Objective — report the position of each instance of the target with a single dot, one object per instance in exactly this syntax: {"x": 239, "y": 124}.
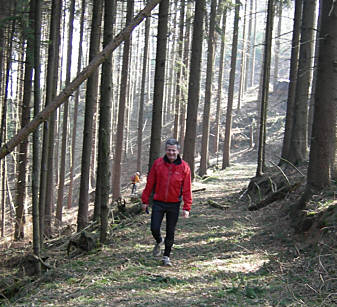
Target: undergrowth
{"x": 230, "y": 257}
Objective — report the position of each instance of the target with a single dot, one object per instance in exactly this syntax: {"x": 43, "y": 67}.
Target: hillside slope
{"x": 224, "y": 255}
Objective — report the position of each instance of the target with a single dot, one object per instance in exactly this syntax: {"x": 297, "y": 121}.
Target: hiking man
{"x": 134, "y": 181}
{"x": 170, "y": 181}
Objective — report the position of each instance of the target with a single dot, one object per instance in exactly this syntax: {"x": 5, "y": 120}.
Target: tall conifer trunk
{"x": 116, "y": 179}
{"x": 194, "y": 85}
{"x": 208, "y": 93}
{"x": 90, "y": 101}
{"x": 227, "y": 140}
{"x": 159, "y": 82}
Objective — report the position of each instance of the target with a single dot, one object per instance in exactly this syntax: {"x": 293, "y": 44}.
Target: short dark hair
{"x": 172, "y": 142}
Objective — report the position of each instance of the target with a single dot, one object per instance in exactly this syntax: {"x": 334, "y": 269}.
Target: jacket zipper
{"x": 168, "y": 182}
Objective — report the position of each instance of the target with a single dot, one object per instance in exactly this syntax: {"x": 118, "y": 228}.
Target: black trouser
{"x": 172, "y": 213}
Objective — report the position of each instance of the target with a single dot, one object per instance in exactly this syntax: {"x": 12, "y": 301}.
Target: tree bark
{"x": 299, "y": 138}
{"x": 208, "y": 93}
{"x": 59, "y": 208}
{"x": 324, "y": 126}
{"x": 3, "y": 132}
{"x": 159, "y": 82}
{"x": 23, "y": 147}
{"x": 103, "y": 169}
{"x": 90, "y": 101}
{"x": 243, "y": 69}
{"x": 250, "y": 46}
{"x": 220, "y": 82}
{"x": 227, "y": 140}
{"x": 295, "y": 47}
{"x": 36, "y": 5}
{"x": 179, "y": 60}
{"x": 194, "y": 85}
{"x": 52, "y": 81}
{"x": 116, "y": 179}
{"x": 185, "y": 60}
{"x": 265, "y": 89}
{"x": 277, "y": 45}
{"x": 77, "y": 94}
{"x": 142, "y": 96}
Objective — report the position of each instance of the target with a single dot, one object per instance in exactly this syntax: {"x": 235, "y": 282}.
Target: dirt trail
{"x": 229, "y": 257}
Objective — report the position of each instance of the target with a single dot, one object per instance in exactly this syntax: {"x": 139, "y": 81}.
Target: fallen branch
{"x": 285, "y": 160}
{"x": 214, "y": 204}
{"x": 198, "y": 190}
{"x": 280, "y": 194}
{"x": 282, "y": 172}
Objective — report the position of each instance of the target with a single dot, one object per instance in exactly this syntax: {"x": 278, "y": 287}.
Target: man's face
{"x": 172, "y": 152}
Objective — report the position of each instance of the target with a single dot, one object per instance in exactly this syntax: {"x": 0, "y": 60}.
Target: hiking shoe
{"x": 166, "y": 261}
{"x": 156, "y": 250}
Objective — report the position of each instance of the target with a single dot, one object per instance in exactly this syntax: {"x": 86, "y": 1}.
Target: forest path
{"x": 230, "y": 257}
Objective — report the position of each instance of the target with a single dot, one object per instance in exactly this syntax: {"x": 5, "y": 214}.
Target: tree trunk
{"x": 116, "y": 179}
{"x": 194, "y": 85}
{"x": 178, "y": 92}
{"x": 159, "y": 82}
{"x": 314, "y": 76}
{"x": 52, "y": 79}
{"x": 208, "y": 93}
{"x": 227, "y": 140}
{"x": 295, "y": 47}
{"x": 142, "y": 96}
{"x": 90, "y": 101}
{"x": 103, "y": 173}
{"x": 277, "y": 45}
{"x": 23, "y": 147}
{"x": 82, "y": 76}
{"x": 324, "y": 125}
{"x": 220, "y": 77}
{"x": 75, "y": 115}
{"x": 168, "y": 101}
{"x": 265, "y": 89}
{"x": 36, "y": 5}
{"x": 60, "y": 195}
{"x": 299, "y": 138}
{"x": 243, "y": 70}
{"x": 250, "y": 45}
{"x": 185, "y": 60}
{"x": 252, "y": 68}
{"x": 5, "y": 79}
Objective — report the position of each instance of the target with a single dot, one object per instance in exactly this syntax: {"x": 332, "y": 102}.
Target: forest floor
{"x": 224, "y": 254}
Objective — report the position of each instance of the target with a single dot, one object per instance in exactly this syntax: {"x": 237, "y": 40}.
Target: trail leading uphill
{"x": 224, "y": 255}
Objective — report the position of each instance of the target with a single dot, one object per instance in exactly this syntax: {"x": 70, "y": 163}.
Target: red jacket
{"x": 170, "y": 182}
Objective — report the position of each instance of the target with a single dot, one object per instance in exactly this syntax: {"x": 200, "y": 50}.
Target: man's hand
{"x": 145, "y": 208}
{"x": 186, "y": 214}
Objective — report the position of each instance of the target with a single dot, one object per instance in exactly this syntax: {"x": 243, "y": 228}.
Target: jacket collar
{"x": 176, "y": 161}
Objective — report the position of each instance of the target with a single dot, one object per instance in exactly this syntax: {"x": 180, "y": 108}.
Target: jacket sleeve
{"x": 151, "y": 180}
{"x": 187, "y": 193}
